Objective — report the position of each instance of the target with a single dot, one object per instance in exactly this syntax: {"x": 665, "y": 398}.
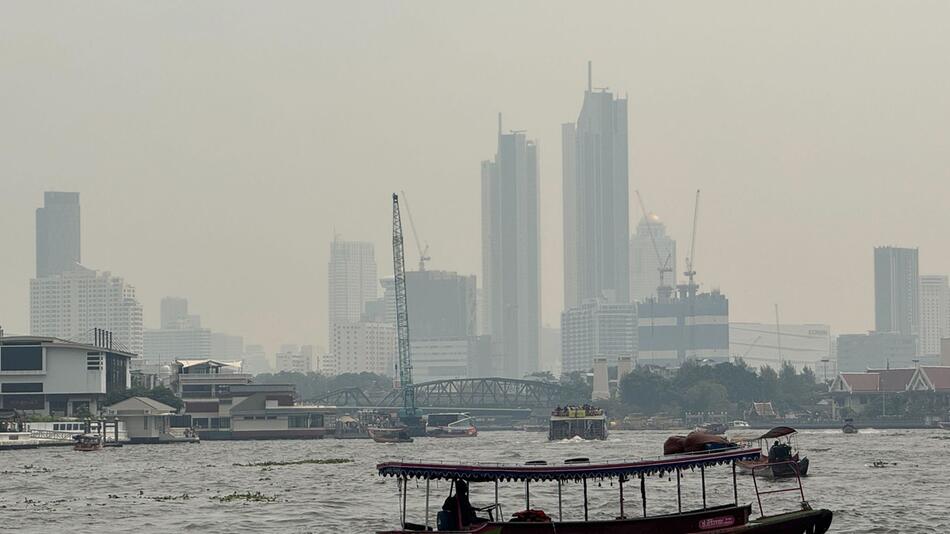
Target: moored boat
{"x": 87, "y": 442}
{"x": 451, "y": 425}
{"x": 781, "y": 461}
{"x": 459, "y": 515}
{"x": 849, "y": 427}
{"x": 389, "y": 435}
{"x": 944, "y": 425}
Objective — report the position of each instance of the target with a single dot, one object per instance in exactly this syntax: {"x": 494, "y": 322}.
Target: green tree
{"x": 706, "y": 396}
{"x": 646, "y": 390}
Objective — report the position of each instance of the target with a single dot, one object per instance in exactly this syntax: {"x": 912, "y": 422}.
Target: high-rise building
{"x": 361, "y": 347}
{"x": 295, "y": 360}
{"x": 596, "y": 200}
{"x": 70, "y": 305}
{"x": 255, "y": 360}
{"x": 685, "y": 327}
{"x": 510, "y": 253}
{"x": 644, "y": 263}
{"x": 934, "y": 312}
{"x": 57, "y": 234}
{"x": 227, "y": 347}
{"x": 800, "y": 345}
{"x": 181, "y": 335}
{"x": 174, "y": 314}
{"x": 351, "y": 280}
{"x": 896, "y": 291}
{"x": 880, "y": 350}
{"x": 597, "y": 329}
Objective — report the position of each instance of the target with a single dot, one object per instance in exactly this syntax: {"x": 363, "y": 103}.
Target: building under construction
{"x": 687, "y": 326}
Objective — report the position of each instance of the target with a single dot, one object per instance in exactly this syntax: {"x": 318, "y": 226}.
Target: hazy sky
{"x": 217, "y": 146}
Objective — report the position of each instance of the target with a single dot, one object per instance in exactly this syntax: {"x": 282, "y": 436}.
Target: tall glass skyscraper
{"x": 57, "y": 234}
{"x": 896, "y": 290}
{"x": 596, "y": 201}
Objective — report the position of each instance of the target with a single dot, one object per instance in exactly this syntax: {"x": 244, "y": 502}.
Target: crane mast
{"x": 402, "y": 316}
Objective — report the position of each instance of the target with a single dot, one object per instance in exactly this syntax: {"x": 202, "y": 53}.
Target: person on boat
{"x": 459, "y": 505}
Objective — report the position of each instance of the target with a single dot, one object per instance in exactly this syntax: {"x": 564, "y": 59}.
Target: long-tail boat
{"x": 781, "y": 459}
{"x": 731, "y": 518}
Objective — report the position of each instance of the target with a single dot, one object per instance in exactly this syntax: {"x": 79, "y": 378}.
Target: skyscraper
{"x": 644, "y": 265}
{"x": 596, "y": 203}
{"x": 934, "y": 312}
{"x": 896, "y": 291}
{"x": 510, "y": 252}
{"x": 352, "y": 280}
{"x": 57, "y": 234}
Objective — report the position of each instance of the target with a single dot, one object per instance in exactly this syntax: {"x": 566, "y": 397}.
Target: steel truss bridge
{"x": 461, "y": 393}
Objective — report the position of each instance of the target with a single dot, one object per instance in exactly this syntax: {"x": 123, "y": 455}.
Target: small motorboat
{"x": 781, "y": 461}
{"x": 87, "y": 442}
{"x": 740, "y": 424}
{"x": 713, "y": 428}
{"x": 849, "y": 427}
{"x": 944, "y": 425}
{"x": 389, "y": 435}
{"x": 451, "y": 425}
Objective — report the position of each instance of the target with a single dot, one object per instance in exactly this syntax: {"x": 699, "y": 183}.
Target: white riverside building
{"x": 360, "y": 347}
{"x": 934, "y": 312}
{"x": 644, "y": 266}
{"x": 801, "y": 345}
{"x": 48, "y": 376}
{"x": 71, "y": 304}
{"x": 597, "y": 329}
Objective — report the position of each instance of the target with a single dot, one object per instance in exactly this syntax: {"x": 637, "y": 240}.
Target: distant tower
{"x": 896, "y": 290}
{"x": 644, "y": 267}
{"x": 510, "y": 254}
{"x": 596, "y": 200}
{"x": 934, "y": 312}
{"x": 352, "y": 280}
{"x": 57, "y": 234}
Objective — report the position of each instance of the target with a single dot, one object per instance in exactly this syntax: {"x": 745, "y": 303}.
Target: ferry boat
{"x": 586, "y": 422}
{"x": 780, "y": 461}
{"x": 459, "y": 515}
{"x": 389, "y": 435}
{"x": 451, "y": 425}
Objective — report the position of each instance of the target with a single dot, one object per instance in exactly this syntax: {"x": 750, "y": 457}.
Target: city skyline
{"x": 224, "y": 196}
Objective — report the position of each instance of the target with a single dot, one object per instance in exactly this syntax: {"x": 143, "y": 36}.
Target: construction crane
{"x": 423, "y": 252}
{"x": 691, "y": 259}
{"x": 409, "y": 413}
{"x": 663, "y": 266}
{"x": 778, "y": 337}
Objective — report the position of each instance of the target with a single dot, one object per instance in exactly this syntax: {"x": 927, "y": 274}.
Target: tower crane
{"x": 663, "y": 266}
{"x": 409, "y": 414}
{"x": 691, "y": 259}
{"x": 423, "y": 252}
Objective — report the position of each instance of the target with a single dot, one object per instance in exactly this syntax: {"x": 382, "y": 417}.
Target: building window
{"x": 21, "y": 387}
{"x": 200, "y": 422}
{"x": 21, "y": 358}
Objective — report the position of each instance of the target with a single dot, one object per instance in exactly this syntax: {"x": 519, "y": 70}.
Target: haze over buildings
{"x": 58, "y": 236}
{"x": 896, "y": 291}
{"x": 648, "y": 255}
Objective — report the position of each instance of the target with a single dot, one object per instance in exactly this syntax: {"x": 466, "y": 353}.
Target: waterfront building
{"x": 205, "y": 386}
{"x": 510, "y": 254}
{"x": 57, "y": 234}
{"x": 644, "y": 265}
{"x": 71, "y": 304}
{"x": 597, "y": 329}
{"x": 352, "y": 280}
{"x": 43, "y": 375}
{"x": 686, "y": 327}
{"x": 294, "y": 360}
{"x": 858, "y": 352}
{"x": 799, "y": 345}
{"x": 361, "y": 347}
{"x": 934, "y": 312}
{"x": 896, "y": 291}
{"x": 146, "y": 420}
{"x": 596, "y": 200}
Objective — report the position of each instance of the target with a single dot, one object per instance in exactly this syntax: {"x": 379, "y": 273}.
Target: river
{"x": 185, "y": 487}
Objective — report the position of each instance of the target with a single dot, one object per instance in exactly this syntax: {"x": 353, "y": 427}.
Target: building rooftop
{"x": 58, "y": 342}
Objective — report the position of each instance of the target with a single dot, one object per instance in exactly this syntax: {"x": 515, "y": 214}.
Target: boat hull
{"x": 719, "y": 520}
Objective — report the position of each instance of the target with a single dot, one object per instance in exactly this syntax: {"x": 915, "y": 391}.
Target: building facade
{"x": 596, "y": 201}
{"x": 797, "y": 344}
{"x": 934, "y": 312}
{"x": 644, "y": 263}
{"x": 881, "y": 350}
{"x": 298, "y": 360}
{"x": 48, "y": 376}
{"x": 682, "y": 328}
{"x": 57, "y": 234}
{"x": 511, "y": 274}
{"x": 597, "y": 329}
{"x": 352, "y": 281}
{"x": 896, "y": 291}
{"x": 70, "y": 305}
{"x": 361, "y": 347}
{"x": 176, "y": 343}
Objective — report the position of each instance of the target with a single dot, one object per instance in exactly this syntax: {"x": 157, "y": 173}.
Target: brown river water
{"x": 179, "y": 488}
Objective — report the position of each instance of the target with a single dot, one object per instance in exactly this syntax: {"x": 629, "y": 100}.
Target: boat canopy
{"x": 573, "y": 471}
{"x": 777, "y": 432}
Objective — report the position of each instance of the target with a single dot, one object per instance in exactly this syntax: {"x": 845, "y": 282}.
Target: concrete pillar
{"x": 624, "y": 366}
{"x": 601, "y": 382}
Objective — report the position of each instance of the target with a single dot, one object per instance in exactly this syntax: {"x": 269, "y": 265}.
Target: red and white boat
{"x": 451, "y": 425}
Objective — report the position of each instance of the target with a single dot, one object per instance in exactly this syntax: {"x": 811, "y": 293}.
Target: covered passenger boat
{"x": 459, "y": 515}
{"x": 781, "y": 460}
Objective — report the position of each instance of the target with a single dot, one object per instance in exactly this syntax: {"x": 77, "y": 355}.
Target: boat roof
{"x": 777, "y": 432}
{"x": 573, "y": 471}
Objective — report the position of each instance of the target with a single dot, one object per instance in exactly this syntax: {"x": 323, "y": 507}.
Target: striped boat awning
{"x": 572, "y": 471}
